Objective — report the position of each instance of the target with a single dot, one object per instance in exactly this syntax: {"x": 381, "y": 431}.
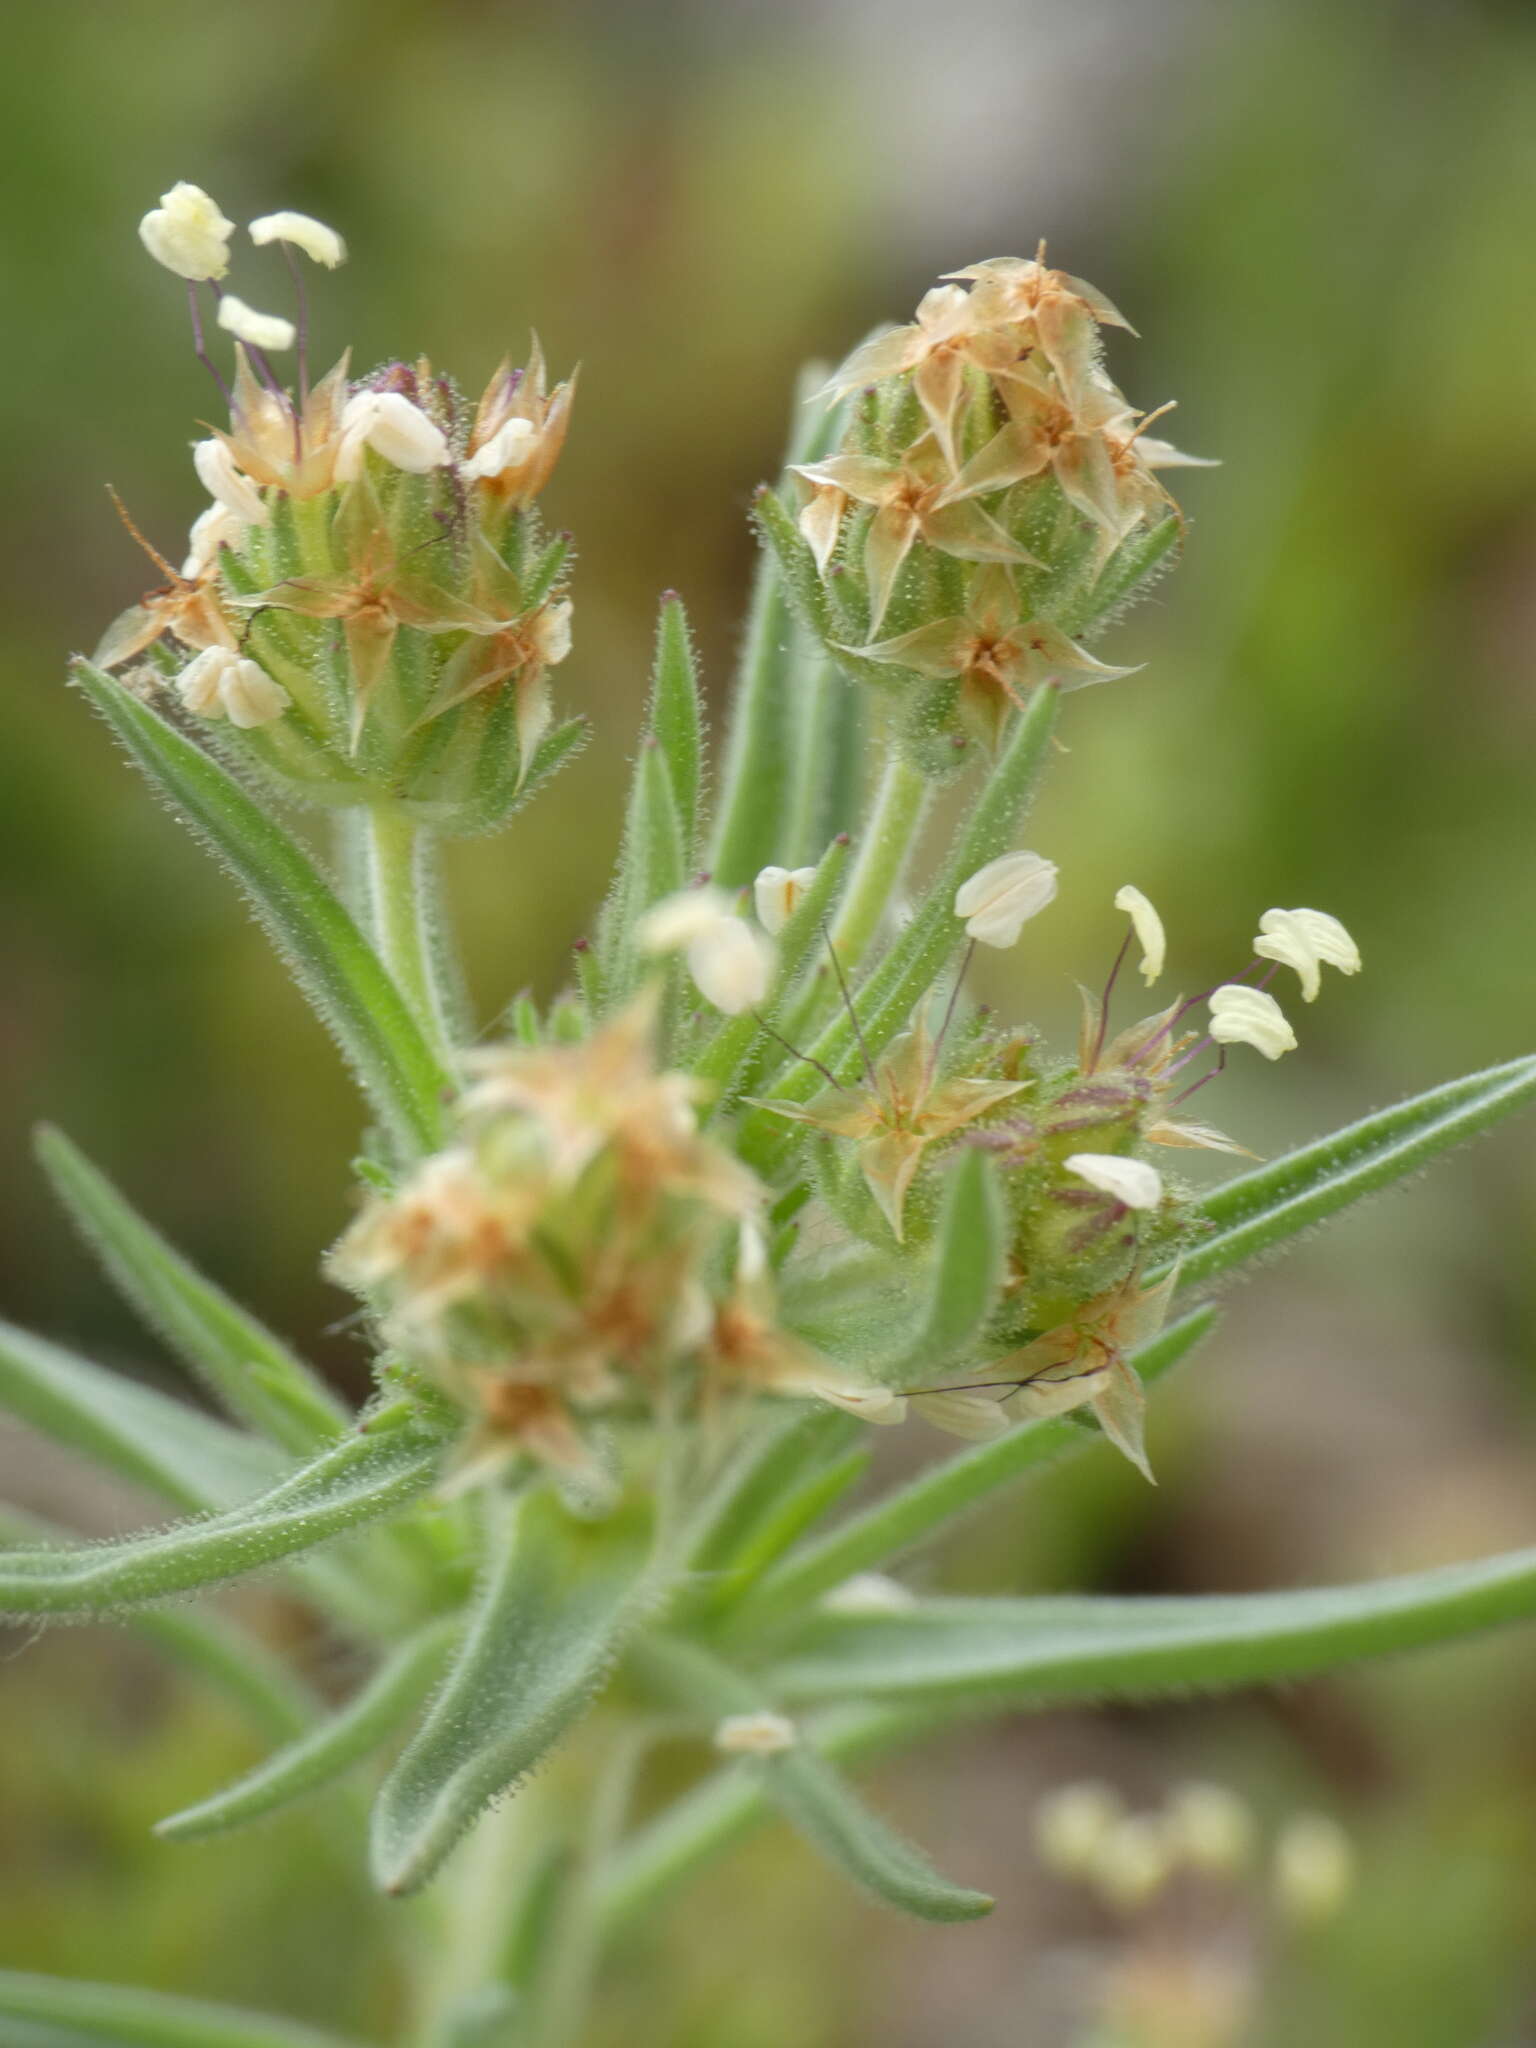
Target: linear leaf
{"x": 677, "y": 717}
{"x": 768, "y": 709}
{"x": 250, "y": 1370}
{"x": 356, "y": 1481}
{"x": 968, "y": 1262}
{"x": 64, "y": 2013}
{"x": 811, "y": 1794}
{"x": 321, "y": 1753}
{"x": 956, "y": 1486}
{"x": 1260, "y": 1211}
{"x": 558, "y": 1600}
{"x": 211, "y": 1646}
{"x": 979, "y": 1653}
{"x": 184, "y": 1457}
{"x": 331, "y": 961}
{"x": 650, "y": 866}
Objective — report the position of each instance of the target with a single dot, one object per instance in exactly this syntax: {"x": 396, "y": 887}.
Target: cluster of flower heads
{"x": 368, "y": 602}
{"x": 988, "y": 496}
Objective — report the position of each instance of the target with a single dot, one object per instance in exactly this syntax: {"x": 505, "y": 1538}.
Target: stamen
{"x": 1109, "y": 989}
{"x": 301, "y": 306}
{"x": 1220, "y": 1067}
{"x": 200, "y": 347}
{"x": 153, "y": 552}
{"x": 853, "y": 1015}
{"x": 949, "y": 1014}
{"x": 795, "y": 1053}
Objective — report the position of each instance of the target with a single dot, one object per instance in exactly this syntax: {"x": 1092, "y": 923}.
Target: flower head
{"x": 1000, "y": 898}
{"x": 188, "y": 234}
{"x": 1249, "y": 1016}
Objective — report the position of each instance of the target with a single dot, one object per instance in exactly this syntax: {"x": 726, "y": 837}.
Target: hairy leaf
{"x": 982, "y": 1653}
{"x": 251, "y": 1371}
{"x": 330, "y": 959}
{"x": 677, "y": 717}
{"x": 354, "y": 1482}
{"x": 1260, "y": 1211}
{"x": 559, "y": 1598}
{"x": 60, "y": 2012}
{"x": 321, "y": 1753}
{"x": 966, "y": 1270}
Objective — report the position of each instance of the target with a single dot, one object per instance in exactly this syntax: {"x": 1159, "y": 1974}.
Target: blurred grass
{"x": 1319, "y": 218}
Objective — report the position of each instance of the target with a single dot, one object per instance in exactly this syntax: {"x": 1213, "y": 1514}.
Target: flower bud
{"x": 1314, "y": 1868}
{"x": 1209, "y": 1828}
{"x": 1072, "y": 1825}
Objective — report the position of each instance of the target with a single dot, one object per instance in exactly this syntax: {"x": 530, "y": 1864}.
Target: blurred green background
{"x": 1321, "y": 220}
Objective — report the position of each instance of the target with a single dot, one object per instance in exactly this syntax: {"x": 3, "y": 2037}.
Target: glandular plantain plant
{"x": 641, "y": 1271}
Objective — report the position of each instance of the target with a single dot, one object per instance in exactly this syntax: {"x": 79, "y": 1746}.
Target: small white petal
{"x": 761, "y": 1734}
{"x": 320, "y": 243}
{"x": 200, "y": 684}
{"x": 1131, "y": 1181}
{"x": 1148, "y": 927}
{"x": 251, "y": 696}
{"x": 510, "y": 446}
{"x": 776, "y": 895}
{"x": 188, "y": 234}
{"x": 212, "y": 530}
{"x": 552, "y": 631}
{"x": 999, "y": 899}
{"x": 976, "y": 1417}
{"x": 1046, "y": 1396}
{"x": 1250, "y": 1016}
{"x": 389, "y": 424}
{"x": 731, "y": 965}
{"x": 257, "y": 330}
{"x": 868, "y": 1593}
{"x": 1304, "y": 939}
{"x": 222, "y": 481}
{"x": 677, "y": 920}
{"x": 869, "y": 1404}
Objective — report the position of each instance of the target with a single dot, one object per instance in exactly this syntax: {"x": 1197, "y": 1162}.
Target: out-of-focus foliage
{"x": 1320, "y": 218}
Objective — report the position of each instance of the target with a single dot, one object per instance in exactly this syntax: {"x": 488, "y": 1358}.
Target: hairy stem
{"x": 896, "y": 819}
{"x": 399, "y": 898}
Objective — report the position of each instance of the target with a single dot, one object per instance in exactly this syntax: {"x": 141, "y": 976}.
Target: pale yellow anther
{"x": 318, "y": 242}
{"x": 256, "y": 330}
{"x": 761, "y": 1734}
{"x": 1249, "y": 1016}
{"x": 1305, "y": 940}
{"x": 1148, "y": 927}
{"x": 188, "y": 234}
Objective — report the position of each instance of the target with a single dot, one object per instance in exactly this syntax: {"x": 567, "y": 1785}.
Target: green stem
{"x": 470, "y": 1922}
{"x": 887, "y": 843}
{"x": 399, "y": 898}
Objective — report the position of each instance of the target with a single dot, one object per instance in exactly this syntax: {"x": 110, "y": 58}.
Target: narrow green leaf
{"x": 330, "y": 959}
{"x": 813, "y": 1796}
{"x": 251, "y": 1371}
{"x": 795, "y": 1439}
{"x": 1260, "y": 1211}
{"x": 210, "y": 1646}
{"x": 826, "y": 782}
{"x": 929, "y": 1503}
{"x": 356, "y": 1481}
{"x": 650, "y": 866}
{"x": 186, "y": 1458}
{"x": 984, "y": 1653}
{"x": 968, "y": 1263}
{"x": 558, "y": 1600}
{"x": 61, "y": 2012}
{"x": 796, "y": 1508}
{"x": 321, "y": 1753}
{"x": 677, "y": 717}
{"x": 769, "y": 698}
